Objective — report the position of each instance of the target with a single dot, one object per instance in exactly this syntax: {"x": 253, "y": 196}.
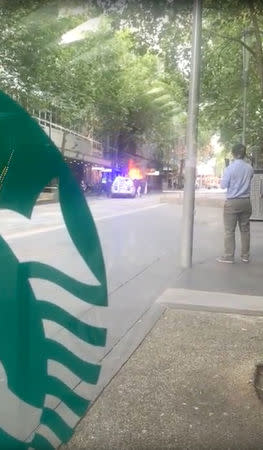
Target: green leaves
{"x": 97, "y": 83}
{"x": 126, "y": 80}
{"x": 224, "y": 46}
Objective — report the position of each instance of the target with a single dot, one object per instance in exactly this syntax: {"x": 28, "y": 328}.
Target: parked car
{"x": 123, "y": 187}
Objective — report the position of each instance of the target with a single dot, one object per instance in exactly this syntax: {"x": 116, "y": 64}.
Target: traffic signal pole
{"x": 191, "y": 139}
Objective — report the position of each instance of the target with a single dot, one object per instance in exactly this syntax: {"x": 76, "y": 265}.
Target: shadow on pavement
{"x": 238, "y": 278}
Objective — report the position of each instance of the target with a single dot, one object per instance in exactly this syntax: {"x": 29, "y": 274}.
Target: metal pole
{"x": 245, "y": 86}
{"x": 191, "y": 139}
{"x": 244, "y": 126}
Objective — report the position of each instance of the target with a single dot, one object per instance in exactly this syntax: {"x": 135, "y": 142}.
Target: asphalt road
{"x": 140, "y": 241}
{"x": 135, "y": 234}
{"x": 141, "y": 246}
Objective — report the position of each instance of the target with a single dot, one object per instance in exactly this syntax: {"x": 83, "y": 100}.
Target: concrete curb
{"x": 177, "y": 198}
{"x": 115, "y": 359}
{"x": 121, "y": 352}
{"x": 188, "y": 299}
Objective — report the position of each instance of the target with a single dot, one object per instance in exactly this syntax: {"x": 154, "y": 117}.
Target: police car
{"x": 123, "y": 187}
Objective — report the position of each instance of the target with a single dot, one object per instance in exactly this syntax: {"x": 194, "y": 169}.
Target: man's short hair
{"x": 239, "y": 151}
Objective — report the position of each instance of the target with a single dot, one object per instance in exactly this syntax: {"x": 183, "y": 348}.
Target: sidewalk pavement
{"x": 189, "y": 385}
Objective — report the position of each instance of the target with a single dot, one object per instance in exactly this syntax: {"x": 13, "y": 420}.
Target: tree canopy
{"x": 124, "y": 75}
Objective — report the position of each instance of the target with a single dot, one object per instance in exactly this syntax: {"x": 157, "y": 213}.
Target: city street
{"x": 135, "y": 234}
{"x": 98, "y": 100}
{"x": 141, "y": 246}
{"x": 140, "y": 241}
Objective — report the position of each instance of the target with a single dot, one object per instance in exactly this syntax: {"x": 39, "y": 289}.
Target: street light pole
{"x": 245, "y": 86}
{"x": 191, "y": 139}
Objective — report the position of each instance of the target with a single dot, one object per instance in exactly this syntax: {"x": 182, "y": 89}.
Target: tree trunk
{"x": 64, "y": 139}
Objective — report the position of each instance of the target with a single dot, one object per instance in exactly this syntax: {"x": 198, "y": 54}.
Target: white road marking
{"x": 126, "y": 213}
{"x": 58, "y": 227}
{"x": 32, "y": 232}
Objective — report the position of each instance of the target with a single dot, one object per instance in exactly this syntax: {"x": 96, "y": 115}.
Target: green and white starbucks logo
{"x": 28, "y": 162}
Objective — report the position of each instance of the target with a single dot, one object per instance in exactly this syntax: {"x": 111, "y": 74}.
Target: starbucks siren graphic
{"x": 28, "y": 162}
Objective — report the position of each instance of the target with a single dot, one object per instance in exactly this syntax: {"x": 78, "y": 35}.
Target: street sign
{"x": 256, "y": 195}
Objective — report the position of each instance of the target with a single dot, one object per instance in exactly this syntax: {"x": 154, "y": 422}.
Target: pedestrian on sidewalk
{"x": 237, "y": 209}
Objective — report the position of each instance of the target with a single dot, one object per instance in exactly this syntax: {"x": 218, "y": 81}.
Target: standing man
{"x": 237, "y": 209}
